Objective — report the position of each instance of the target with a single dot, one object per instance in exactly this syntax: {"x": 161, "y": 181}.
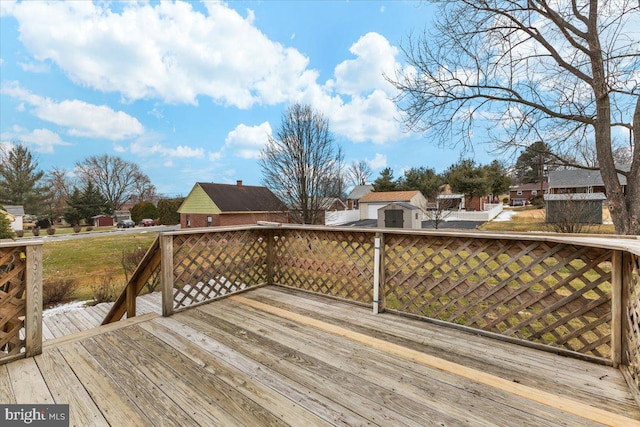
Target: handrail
{"x": 126, "y": 301}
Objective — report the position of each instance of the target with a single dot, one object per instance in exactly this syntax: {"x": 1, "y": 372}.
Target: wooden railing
{"x": 578, "y": 296}
{"x": 20, "y": 300}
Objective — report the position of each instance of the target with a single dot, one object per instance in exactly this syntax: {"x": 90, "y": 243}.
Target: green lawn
{"x": 89, "y": 259}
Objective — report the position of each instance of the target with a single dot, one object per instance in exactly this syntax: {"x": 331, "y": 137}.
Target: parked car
{"x": 147, "y": 222}
{"x": 125, "y": 223}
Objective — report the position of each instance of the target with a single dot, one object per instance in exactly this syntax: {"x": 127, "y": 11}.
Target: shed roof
{"x": 242, "y": 198}
{"x": 389, "y": 196}
{"x": 530, "y": 186}
{"x": 575, "y": 196}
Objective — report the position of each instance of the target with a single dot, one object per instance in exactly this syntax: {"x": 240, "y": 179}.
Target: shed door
{"x": 372, "y": 210}
{"x": 393, "y": 218}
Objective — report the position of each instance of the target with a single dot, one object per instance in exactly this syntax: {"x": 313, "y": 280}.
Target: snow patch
{"x": 64, "y": 308}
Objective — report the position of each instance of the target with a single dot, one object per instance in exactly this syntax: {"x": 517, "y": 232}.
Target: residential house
{"x": 16, "y": 216}
{"x": 579, "y": 181}
{"x": 358, "y": 192}
{"x": 210, "y": 205}
{"x": 371, "y": 202}
{"x": 522, "y": 194}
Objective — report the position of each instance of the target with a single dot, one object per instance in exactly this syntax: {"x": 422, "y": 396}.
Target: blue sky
{"x": 190, "y": 91}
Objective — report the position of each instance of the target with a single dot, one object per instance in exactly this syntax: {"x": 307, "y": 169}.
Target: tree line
{"x": 97, "y": 185}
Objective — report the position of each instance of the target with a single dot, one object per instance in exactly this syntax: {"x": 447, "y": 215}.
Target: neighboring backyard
{"x": 93, "y": 262}
{"x": 533, "y": 219}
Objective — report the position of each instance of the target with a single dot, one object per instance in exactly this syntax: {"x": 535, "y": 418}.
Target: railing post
{"x": 378, "y": 273}
{"x": 131, "y": 299}
{"x": 166, "y": 271}
{"x": 270, "y": 255}
{"x": 617, "y": 312}
{"x": 33, "y": 296}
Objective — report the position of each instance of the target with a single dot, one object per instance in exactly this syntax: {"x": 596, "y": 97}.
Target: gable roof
{"x": 239, "y": 198}
{"x": 578, "y": 178}
{"x": 359, "y": 191}
{"x": 530, "y": 186}
{"x": 389, "y": 196}
{"x": 14, "y": 210}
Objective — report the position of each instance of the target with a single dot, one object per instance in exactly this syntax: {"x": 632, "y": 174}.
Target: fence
{"x": 491, "y": 211}
{"x": 20, "y": 300}
{"x": 341, "y": 217}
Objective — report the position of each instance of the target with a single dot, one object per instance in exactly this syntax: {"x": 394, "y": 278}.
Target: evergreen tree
{"x": 385, "y": 181}
{"x": 85, "y": 204}
{"x": 144, "y": 210}
{"x": 168, "y": 211}
{"x": 467, "y": 178}
{"x": 5, "y": 226}
{"x": 20, "y": 180}
{"x": 424, "y": 179}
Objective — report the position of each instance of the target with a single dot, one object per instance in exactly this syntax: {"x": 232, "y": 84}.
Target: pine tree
{"x": 20, "y": 180}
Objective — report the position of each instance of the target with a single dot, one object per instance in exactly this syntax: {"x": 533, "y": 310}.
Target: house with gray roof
{"x": 358, "y": 192}
{"x": 580, "y": 181}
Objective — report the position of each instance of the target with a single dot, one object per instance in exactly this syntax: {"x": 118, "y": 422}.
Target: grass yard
{"x": 533, "y": 220}
{"x": 90, "y": 259}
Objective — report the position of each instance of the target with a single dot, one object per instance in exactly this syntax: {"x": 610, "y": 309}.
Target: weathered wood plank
{"x": 149, "y": 397}
{"x": 33, "y": 293}
{"x": 27, "y": 382}
{"x": 531, "y": 393}
{"x": 149, "y": 358}
{"x": 293, "y": 403}
{"x": 447, "y": 392}
{"x": 116, "y": 407}
{"x": 66, "y": 388}
{"x": 497, "y": 357}
{"x": 6, "y": 390}
{"x": 370, "y": 400}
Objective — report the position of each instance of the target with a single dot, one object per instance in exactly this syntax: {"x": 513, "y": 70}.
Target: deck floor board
{"x": 307, "y": 361}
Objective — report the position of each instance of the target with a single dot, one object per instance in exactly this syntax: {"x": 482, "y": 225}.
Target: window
{"x": 188, "y": 220}
{"x": 209, "y": 221}
{"x": 534, "y": 192}
{"x": 519, "y": 192}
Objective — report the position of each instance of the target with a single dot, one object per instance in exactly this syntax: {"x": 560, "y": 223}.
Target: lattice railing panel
{"x": 210, "y": 265}
{"x": 12, "y": 301}
{"x": 555, "y": 294}
{"x": 331, "y": 263}
{"x": 631, "y": 317}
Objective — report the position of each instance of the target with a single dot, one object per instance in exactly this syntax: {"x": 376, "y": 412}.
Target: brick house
{"x": 520, "y": 195}
{"x": 212, "y": 205}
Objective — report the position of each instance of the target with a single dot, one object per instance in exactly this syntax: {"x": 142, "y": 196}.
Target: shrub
{"x": 104, "y": 290}
{"x": 51, "y": 231}
{"x": 89, "y": 228}
{"x": 35, "y": 231}
{"x": 77, "y": 228}
{"x": 505, "y": 200}
{"x": 43, "y": 223}
{"x": 143, "y": 210}
{"x": 55, "y": 291}
{"x": 20, "y": 233}
{"x": 538, "y": 201}
{"x": 5, "y": 227}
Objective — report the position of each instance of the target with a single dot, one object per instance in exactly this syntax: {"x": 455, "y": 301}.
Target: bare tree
{"x": 115, "y": 177}
{"x": 359, "y": 172}
{"x": 301, "y": 164}
{"x": 561, "y": 72}
{"x": 61, "y": 187}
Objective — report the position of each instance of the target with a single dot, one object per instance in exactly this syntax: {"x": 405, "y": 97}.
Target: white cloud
{"x": 33, "y": 67}
{"x": 166, "y": 50}
{"x": 42, "y": 140}
{"x": 247, "y": 141}
{"x": 375, "y": 58}
{"x": 378, "y": 162}
{"x": 149, "y": 144}
{"x": 78, "y": 117}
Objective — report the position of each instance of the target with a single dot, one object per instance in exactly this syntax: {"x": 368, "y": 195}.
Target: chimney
{"x": 239, "y": 183}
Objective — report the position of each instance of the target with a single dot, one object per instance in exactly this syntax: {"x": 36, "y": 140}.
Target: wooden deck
{"x": 73, "y": 321}
{"x": 273, "y": 356}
